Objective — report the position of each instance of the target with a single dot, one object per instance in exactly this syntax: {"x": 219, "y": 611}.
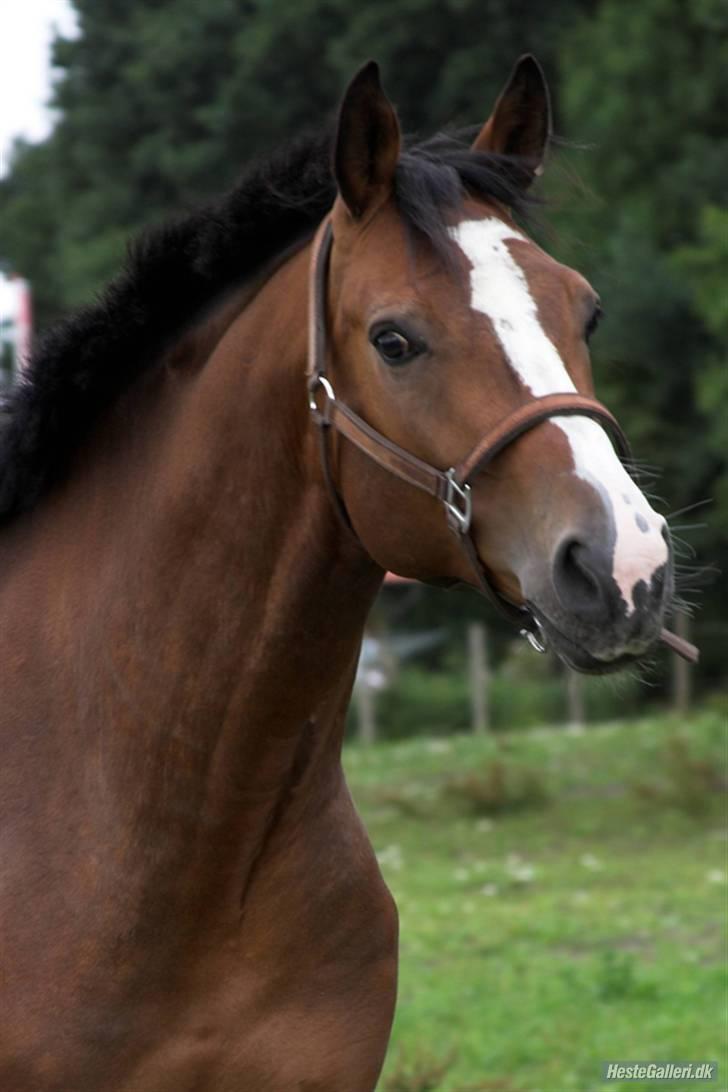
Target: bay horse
{"x": 189, "y": 900}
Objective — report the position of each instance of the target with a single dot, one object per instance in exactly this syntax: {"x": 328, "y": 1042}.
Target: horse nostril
{"x": 577, "y": 578}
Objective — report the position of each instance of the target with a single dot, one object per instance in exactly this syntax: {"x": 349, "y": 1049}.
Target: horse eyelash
{"x": 596, "y": 317}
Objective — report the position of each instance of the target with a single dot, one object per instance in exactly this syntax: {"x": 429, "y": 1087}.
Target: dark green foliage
{"x": 523, "y": 693}
{"x": 424, "y": 1073}
{"x": 498, "y": 787}
{"x": 693, "y": 783}
{"x": 644, "y": 85}
{"x": 618, "y": 978}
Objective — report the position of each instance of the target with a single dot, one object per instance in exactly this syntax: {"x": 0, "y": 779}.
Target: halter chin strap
{"x": 452, "y": 487}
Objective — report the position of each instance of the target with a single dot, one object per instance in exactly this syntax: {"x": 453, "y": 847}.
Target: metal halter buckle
{"x": 321, "y": 416}
{"x": 458, "y": 504}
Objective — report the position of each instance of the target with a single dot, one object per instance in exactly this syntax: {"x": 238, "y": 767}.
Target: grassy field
{"x": 563, "y": 901}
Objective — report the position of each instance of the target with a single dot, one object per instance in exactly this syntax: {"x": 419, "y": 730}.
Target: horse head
{"x": 443, "y": 319}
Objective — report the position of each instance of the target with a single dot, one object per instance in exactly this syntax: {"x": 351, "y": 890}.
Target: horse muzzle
{"x": 584, "y": 613}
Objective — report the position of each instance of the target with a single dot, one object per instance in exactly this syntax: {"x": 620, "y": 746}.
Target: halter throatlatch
{"x": 452, "y": 487}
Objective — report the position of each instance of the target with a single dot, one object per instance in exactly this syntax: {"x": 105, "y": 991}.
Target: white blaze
{"x": 499, "y": 289}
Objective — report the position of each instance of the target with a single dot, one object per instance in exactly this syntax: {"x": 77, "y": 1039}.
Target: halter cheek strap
{"x": 452, "y": 487}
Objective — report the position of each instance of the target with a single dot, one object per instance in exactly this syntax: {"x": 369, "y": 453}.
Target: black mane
{"x": 174, "y": 272}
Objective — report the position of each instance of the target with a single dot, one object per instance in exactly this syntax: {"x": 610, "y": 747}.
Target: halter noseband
{"x": 450, "y": 487}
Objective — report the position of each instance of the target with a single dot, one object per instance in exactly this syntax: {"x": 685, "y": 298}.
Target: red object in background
{"x": 16, "y": 320}
{"x": 24, "y": 323}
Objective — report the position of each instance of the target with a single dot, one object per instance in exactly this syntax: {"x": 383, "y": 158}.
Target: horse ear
{"x": 367, "y": 143}
{"x": 520, "y": 124}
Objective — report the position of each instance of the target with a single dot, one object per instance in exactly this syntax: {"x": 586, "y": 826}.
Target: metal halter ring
{"x": 538, "y": 642}
{"x": 322, "y": 417}
{"x": 458, "y": 504}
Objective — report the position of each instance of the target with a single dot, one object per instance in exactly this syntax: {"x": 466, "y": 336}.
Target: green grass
{"x": 590, "y": 925}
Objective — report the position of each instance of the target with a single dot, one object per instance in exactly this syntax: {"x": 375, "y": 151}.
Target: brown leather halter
{"x": 451, "y": 487}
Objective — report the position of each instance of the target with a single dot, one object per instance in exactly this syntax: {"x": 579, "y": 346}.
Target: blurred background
{"x": 557, "y": 845}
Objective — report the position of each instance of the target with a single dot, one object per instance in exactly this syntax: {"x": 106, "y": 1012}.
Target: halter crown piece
{"x": 450, "y": 487}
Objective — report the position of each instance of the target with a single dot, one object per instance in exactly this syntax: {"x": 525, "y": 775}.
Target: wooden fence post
{"x": 681, "y": 668}
{"x": 479, "y": 672}
{"x": 366, "y": 712}
{"x": 574, "y": 698}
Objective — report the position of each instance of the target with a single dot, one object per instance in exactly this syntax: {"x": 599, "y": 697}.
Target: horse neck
{"x": 216, "y": 604}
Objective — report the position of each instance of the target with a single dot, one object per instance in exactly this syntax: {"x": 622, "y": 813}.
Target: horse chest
{"x": 293, "y": 991}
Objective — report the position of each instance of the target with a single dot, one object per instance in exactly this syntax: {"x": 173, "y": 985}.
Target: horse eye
{"x": 393, "y": 346}
{"x": 596, "y": 317}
